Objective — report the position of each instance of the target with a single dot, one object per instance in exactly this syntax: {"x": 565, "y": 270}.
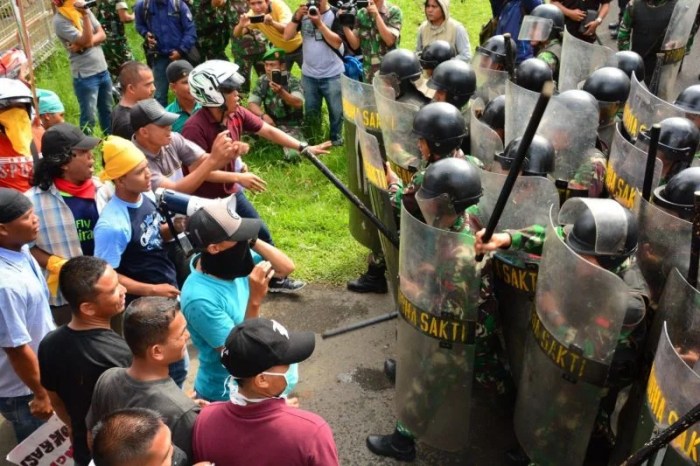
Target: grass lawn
{"x": 308, "y": 217}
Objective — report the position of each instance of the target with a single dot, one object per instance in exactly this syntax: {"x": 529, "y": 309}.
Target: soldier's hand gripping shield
{"x": 673, "y": 387}
{"x": 673, "y": 49}
{"x": 400, "y": 144}
{"x": 515, "y": 273}
{"x": 574, "y": 330}
{"x": 535, "y": 28}
{"x": 373, "y": 164}
{"x": 643, "y": 109}
{"x": 358, "y": 100}
{"x": 438, "y": 298}
{"x": 579, "y": 59}
{"x": 624, "y": 176}
{"x": 484, "y": 141}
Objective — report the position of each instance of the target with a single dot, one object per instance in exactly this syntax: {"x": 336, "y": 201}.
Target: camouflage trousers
{"x": 117, "y": 52}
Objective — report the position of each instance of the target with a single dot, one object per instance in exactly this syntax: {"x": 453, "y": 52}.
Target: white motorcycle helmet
{"x": 13, "y": 92}
{"x": 213, "y": 78}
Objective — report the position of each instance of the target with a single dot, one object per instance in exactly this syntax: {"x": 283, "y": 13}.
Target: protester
{"x": 24, "y": 309}
{"x": 258, "y": 354}
{"x": 92, "y": 289}
{"x": 438, "y": 25}
{"x": 225, "y": 287}
{"x": 112, "y": 16}
{"x": 16, "y": 161}
{"x": 136, "y": 80}
{"x": 184, "y": 104}
{"x": 81, "y": 34}
{"x": 51, "y": 109}
{"x": 156, "y": 332}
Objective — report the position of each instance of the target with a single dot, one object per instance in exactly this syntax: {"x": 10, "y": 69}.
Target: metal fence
{"x": 38, "y": 16}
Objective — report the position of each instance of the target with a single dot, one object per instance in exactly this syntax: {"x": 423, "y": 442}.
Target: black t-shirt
{"x": 121, "y": 122}
{"x": 70, "y": 362}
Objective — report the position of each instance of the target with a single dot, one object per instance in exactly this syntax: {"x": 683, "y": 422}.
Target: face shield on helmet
{"x": 437, "y": 211}
{"x": 535, "y": 28}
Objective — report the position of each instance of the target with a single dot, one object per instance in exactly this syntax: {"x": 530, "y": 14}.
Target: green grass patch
{"x": 307, "y": 215}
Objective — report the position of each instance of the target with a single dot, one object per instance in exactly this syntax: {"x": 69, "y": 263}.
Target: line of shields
{"x": 545, "y": 355}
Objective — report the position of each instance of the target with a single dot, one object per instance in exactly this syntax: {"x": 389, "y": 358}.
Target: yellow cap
{"x": 120, "y": 157}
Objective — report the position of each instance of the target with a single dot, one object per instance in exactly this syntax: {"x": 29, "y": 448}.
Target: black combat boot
{"x": 372, "y": 281}
{"x": 395, "y": 445}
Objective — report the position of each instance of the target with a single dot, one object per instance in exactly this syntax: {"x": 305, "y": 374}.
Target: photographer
{"x": 271, "y": 17}
{"x": 376, "y": 31}
{"x": 323, "y": 65}
{"x": 278, "y": 99}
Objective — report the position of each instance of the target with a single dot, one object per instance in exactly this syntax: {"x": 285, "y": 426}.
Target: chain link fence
{"x": 38, "y": 16}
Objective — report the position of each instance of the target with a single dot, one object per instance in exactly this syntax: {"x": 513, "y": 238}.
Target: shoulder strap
{"x": 326, "y": 42}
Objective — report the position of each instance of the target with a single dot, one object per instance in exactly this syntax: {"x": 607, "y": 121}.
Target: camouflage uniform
{"x": 211, "y": 24}
{"x": 248, "y": 49}
{"x": 115, "y": 47}
{"x": 286, "y": 118}
{"x": 551, "y": 55}
{"x": 372, "y": 46}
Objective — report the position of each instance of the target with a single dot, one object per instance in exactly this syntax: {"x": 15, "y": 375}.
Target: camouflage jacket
{"x": 372, "y": 46}
{"x": 274, "y": 105}
{"x": 253, "y": 41}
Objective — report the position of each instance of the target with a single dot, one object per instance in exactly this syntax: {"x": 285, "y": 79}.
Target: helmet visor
{"x": 610, "y": 222}
{"x": 672, "y": 153}
{"x": 436, "y": 209}
{"x": 231, "y": 84}
{"x": 535, "y": 28}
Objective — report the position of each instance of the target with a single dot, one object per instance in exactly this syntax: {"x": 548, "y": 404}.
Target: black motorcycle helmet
{"x": 455, "y": 177}
{"x": 457, "y": 79}
{"x": 549, "y": 11}
{"x": 495, "y": 48}
{"x": 689, "y": 99}
{"x": 442, "y": 126}
{"x": 402, "y": 64}
{"x": 608, "y": 84}
{"x": 495, "y": 113}
{"x": 678, "y": 140}
{"x": 539, "y": 158}
{"x": 678, "y": 195}
{"x": 629, "y": 62}
{"x": 533, "y": 73}
{"x": 435, "y": 53}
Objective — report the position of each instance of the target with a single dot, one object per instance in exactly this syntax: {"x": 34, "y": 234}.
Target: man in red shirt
{"x": 16, "y": 162}
{"x": 258, "y": 354}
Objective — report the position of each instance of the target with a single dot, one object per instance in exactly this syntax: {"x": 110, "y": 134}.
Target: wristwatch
{"x": 303, "y": 146}
{"x": 599, "y": 20}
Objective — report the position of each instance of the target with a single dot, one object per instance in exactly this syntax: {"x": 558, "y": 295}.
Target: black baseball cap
{"x": 150, "y": 111}
{"x": 177, "y": 70}
{"x": 64, "y": 137}
{"x": 256, "y": 345}
{"x": 218, "y": 222}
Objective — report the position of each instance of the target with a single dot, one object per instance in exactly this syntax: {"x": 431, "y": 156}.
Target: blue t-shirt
{"x": 85, "y": 215}
{"x": 212, "y": 307}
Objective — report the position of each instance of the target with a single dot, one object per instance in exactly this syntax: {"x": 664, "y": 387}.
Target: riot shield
{"x": 664, "y": 244}
{"x": 400, "y": 144}
{"x": 438, "y": 298}
{"x": 515, "y": 273}
{"x": 520, "y": 103}
{"x": 624, "y": 176}
{"x": 356, "y": 98}
{"x": 573, "y": 334}
{"x": 379, "y": 196}
{"x": 578, "y": 60}
{"x": 489, "y": 83}
{"x": 673, "y": 49}
{"x": 484, "y": 141}
{"x": 643, "y": 109}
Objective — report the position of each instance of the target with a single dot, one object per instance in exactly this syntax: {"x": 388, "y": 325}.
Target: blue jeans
{"x": 95, "y": 92}
{"x": 16, "y": 411}
{"x": 328, "y": 88}
{"x": 246, "y": 210}
{"x": 161, "y": 79}
{"x": 178, "y": 370}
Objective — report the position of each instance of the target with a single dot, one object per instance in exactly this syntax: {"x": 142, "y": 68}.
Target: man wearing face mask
{"x": 259, "y": 355}
{"x": 225, "y": 286}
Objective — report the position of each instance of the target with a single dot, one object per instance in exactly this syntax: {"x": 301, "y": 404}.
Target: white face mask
{"x": 291, "y": 376}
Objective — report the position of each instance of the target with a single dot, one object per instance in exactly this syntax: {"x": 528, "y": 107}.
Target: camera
{"x": 280, "y": 77}
{"x": 86, "y": 4}
{"x": 347, "y": 18}
{"x": 257, "y": 19}
{"x": 312, "y": 8}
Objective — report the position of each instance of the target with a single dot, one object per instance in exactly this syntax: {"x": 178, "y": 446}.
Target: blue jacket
{"x": 172, "y": 29}
{"x": 509, "y": 20}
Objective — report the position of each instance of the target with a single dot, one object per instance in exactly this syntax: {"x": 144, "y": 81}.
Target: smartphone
{"x": 279, "y": 78}
{"x": 257, "y": 19}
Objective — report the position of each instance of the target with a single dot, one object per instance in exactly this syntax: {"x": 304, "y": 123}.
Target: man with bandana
{"x": 16, "y": 162}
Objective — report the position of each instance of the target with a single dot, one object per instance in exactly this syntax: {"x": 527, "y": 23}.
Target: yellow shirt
{"x": 281, "y": 13}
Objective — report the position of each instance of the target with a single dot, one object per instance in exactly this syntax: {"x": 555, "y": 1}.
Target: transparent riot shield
{"x": 643, "y": 109}
{"x": 484, "y": 141}
{"x": 624, "y": 176}
{"x": 438, "y": 298}
{"x": 520, "y": 103}
{"x": 379, "y": 195}
{"x": 400, "y": 144}
{"x": 664, "y": 244}
{"x": 357, "y": 97}
{"x": 515, "y": 273}
{"x": 489, "y": 83}
{"x": 573, "y": 334}
{"x": 673, "y": 49}
{"x": 578, "y": 60}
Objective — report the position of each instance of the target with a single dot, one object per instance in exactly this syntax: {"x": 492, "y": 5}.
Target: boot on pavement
{"x": 394, "y": 445}
{"x": 372, "y": 281}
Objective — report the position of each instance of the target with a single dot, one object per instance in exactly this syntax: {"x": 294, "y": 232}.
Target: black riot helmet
{"x": 442, "y": 126}
{"x": 539, "y": 158}
{"x": 402, "y": 64}
{"x": 689, "y": 99}
{"x": 629, "y": 62}
{"x": 601, "y": 228}
{"x": 495, "y": 48}
{"x": 495, "y": 113}
{"x": 449, "y": 186}
{"x": 678, "y": 140}
{"x": 608, "y": 84}
{"x": 457, "y": 79}
{"x": 549, "y": 11}
{"x": 533, "y": 73}
{"x": 678, "y": 195}
{"x": 577, "y": 100}
{"x": 435, "y": 53}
